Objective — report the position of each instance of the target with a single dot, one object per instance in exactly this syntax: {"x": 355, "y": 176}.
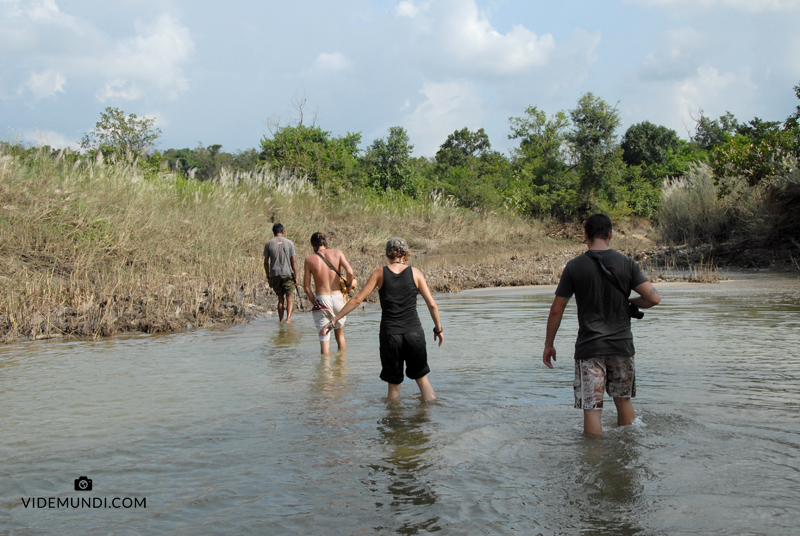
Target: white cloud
{"x": 704, "y": 88}
{"x": 333, "y": 62}
{"x": 150, "y": 59}
{"x": 42, "y": 9}
{"x": 119, "y": 89}
{"x": 681, "y": 76}
{"x": 46, "y": 84}
{"x": 570, "y": 64}
{"x": 160, "y": 121}
{"x": 35, "y": 35}
{"x": 458, "y": 37}
{"x": 678, "y": 53}
{"x": 751, "y": 6}
{"x": 48, "y": 137}
{"x": 406, "y": 9}
{"x": 676, "y": 103}
{"x": 792, "y": 54}
{"x": 448, "y": 106}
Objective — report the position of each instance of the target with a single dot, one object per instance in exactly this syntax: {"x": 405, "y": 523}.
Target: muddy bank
{"x": 194, "y": 304}
{"x": 197, "y": 303}
{"x": 731, "y": 256}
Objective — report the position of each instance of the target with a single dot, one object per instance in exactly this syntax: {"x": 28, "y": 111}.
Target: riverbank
{"x": 191, "y": 303}
{"x": 90, "y": 249}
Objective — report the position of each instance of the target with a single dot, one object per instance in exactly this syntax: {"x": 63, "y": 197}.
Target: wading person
{"x": 402, "y": 339}
{"x": 325, "y": 267}
{"x": 281, "y": 269}
{"x": 601, "y": 280}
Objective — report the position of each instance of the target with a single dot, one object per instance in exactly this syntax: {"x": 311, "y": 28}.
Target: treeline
{"x": 563, "y": 166}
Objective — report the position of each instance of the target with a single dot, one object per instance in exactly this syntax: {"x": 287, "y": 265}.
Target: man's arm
{"x": 647, "y": 296}
{"x": 375, "y": 281}
{"x": 266, "y": 265}
{"x": 553, "y": 323}
{"x": 294, "y": 269}
{"x": 307, "y": 280}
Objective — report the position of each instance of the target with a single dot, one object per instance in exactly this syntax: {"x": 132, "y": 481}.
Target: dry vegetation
{"x": 91, "y": 249}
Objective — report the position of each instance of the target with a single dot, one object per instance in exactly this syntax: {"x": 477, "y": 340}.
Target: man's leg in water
{"x": 289, "y": 302}
{"x": 425, "y": 389}
{"x": 394, "y": 391}
{"x": 340, "y": 338}
{"x": 280, "y": 308}
{"x": 592, "y": 423}
{"x": 325, "y": 347}
{"x": 625, "y": 413}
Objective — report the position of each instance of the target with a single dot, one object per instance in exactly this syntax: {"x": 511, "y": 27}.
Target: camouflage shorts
{"x": 613, "y": 374}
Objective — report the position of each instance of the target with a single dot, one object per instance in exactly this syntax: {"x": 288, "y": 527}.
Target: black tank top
{"x": 399, "y": 302}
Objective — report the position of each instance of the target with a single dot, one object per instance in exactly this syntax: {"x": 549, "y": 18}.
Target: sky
{"x": 231, "y": 72}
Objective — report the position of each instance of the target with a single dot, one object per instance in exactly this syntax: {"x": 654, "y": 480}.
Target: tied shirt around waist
{"x": 398, "y": 296}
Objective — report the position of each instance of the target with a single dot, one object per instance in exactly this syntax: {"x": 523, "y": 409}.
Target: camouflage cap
{"x": 396, "y": 243}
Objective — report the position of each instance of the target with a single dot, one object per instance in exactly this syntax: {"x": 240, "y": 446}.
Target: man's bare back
{"x": 326, "y": 281}
{"x": 327, "y": 294}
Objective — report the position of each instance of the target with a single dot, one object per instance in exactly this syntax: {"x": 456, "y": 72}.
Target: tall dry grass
{"x": 92, "y": 249}
{"x": 693, "y": 212}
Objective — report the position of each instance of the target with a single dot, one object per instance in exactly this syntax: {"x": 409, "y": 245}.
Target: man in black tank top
{"x": 402, "y": 339}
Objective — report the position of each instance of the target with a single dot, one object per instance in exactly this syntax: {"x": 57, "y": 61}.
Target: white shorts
{"x": 326, "y": 306}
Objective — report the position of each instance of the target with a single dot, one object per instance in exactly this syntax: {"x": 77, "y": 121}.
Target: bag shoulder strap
{"x": 288, "y": 260}
{"x": 606, "y": 272}
{"x": 321, "y": 256}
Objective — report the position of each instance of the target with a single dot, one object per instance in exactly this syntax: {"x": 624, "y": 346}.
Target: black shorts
{"x": 404, "y": 347}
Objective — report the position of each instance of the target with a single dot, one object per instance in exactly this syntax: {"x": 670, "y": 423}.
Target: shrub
{"x": 692, "y": 211}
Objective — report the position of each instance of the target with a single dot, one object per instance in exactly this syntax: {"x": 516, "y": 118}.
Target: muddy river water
{"x": 247, "y": 430}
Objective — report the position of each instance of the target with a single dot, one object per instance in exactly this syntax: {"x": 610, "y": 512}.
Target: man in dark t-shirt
{"x": 604, "y": 349}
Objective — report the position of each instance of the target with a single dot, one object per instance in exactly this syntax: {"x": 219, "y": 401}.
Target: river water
{"x": 247, "y": 430}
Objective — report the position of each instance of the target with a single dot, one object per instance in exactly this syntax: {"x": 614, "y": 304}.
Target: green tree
{"x": 712, "y": 132}
{"x": 388, "y": 162}
{"x": 119, "y": 134}
{"x": 470, "y": 171}
{"x": 764, "y": 155}
{"x": 597, "y": 154}
{"x": 646, "y": 144}
{"x": 793, "y": 121}
{"x": 757, "y": 129}
{"x": 542, "y": 183}
{"x": 313, "y": 152}
{"x": 461, "y": 145}
{"x": 757, "y": 160}
{"x": 541, "y": 141}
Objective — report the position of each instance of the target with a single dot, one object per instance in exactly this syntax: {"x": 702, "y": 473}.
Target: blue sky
{"x": 222, "y": 72}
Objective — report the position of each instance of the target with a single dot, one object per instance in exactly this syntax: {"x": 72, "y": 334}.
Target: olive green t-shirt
{"x": 604, "y": 324}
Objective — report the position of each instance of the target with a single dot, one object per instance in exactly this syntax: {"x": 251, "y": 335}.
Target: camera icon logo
{"x": 83, "y": 484}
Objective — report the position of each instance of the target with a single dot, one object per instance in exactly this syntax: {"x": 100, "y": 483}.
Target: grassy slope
{"x": 90, "y": 249}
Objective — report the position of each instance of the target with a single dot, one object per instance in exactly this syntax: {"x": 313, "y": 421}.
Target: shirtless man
{"x": 328, "y": 300}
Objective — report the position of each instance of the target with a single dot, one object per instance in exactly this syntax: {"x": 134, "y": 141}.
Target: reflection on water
{"x": 329, "y": 388}
{"x": 610, "y": 472}
{"x": 405, "y": 442}
{"x": 249, "y": 430}
{"x": 285, "y": 336}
